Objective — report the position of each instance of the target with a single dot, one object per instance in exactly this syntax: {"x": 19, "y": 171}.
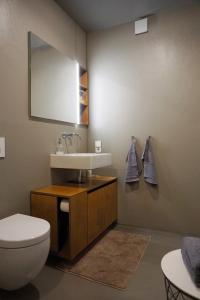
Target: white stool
{"x": 177, "y": 279}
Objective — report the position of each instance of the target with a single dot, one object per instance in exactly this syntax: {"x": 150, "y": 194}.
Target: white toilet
{"x": 24, "y": 247}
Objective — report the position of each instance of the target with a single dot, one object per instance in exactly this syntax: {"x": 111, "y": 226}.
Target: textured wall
{"x": 150, "y": 85}
{"x": 28, "y": 143}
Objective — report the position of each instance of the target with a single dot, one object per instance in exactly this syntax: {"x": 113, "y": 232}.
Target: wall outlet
{"x": 2, "y": 147}
{"x": 98, "y": 146}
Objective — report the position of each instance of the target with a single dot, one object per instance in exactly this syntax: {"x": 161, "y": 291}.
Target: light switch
{"x": 2, "y": 147}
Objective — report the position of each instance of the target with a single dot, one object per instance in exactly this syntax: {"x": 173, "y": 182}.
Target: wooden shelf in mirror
{"x": 83, "y": 97}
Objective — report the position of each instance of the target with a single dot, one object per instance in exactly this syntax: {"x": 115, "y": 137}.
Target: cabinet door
{"x": 96, "y": 214}
{"x": 110, "y": 198}
{"x": 78, "y": 224}
{"x": 45, "y": 207}
{"x": 102, "y": 210}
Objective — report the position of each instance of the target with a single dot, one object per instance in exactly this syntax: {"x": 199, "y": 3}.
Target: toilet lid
{"x": 18, "y": 231}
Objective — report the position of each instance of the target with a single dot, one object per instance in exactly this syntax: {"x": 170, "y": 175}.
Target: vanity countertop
{"x": 71, "y": 189}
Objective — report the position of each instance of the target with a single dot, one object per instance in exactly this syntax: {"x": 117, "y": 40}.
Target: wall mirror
{"x": 54, "y": 83}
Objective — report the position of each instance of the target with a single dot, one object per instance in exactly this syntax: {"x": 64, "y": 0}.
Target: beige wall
{"x": 150, "y": 85}
{"x": 28, "y": 143}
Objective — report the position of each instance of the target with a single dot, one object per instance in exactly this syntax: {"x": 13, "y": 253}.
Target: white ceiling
{"x": 93, "y": 15}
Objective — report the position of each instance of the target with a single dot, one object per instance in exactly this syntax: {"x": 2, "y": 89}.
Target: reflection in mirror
{"x": 53, "y": 83}
{"x": 83, "y": 75}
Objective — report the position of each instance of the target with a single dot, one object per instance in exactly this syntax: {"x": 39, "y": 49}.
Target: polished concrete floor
{"x": 145, "y": 284}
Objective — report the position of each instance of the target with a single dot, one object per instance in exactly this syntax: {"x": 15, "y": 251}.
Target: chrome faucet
{"x": 66, "y": 135}
{"x": 69, "y": 137}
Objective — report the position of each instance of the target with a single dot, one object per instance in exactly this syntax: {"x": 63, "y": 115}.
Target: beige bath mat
{"x": 111, "y": 261}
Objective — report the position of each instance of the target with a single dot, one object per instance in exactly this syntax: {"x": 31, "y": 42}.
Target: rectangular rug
{"x": 112, "y": 260}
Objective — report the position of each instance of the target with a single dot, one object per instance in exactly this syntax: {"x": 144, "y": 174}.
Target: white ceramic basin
{"x": 81, "y": 161}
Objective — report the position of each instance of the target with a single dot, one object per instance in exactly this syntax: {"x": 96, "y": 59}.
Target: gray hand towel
{"x": 148, "y": 162}
{"x": 191, "y": 256}
{"x": 133, "y": 168}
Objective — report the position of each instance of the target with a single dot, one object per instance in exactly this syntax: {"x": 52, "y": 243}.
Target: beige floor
{"x": 146, "y": 284}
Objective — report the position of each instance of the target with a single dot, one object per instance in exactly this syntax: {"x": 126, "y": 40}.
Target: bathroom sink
{"x": 80, "y": 161}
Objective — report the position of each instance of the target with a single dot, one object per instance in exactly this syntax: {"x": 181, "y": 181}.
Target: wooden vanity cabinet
{"x": 92, "y": 209}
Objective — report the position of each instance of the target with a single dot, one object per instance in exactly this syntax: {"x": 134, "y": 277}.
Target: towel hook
{"x": 133, "y": 139}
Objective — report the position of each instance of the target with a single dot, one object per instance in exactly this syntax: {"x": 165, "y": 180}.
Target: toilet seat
{"x": 19, "y": 231}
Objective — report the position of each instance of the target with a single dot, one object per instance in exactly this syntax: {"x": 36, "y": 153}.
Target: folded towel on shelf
{"x": 191, "y": 256}
{"x": 133, "y": 166}
{"x": 148, "y": 163}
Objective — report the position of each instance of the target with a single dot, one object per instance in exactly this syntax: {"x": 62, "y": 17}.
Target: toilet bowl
{"x": 24, "y": 247}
